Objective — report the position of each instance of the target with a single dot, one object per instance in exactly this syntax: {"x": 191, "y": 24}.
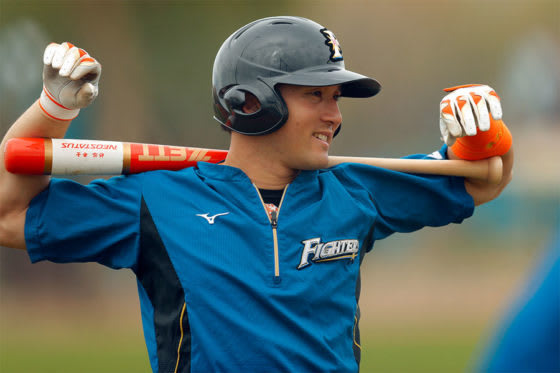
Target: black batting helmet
{"x": 270, "y": 51}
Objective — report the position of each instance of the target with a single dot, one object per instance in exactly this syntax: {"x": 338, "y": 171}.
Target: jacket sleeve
{"x": 99, "y": 222}
{"x": 406, "y": 202}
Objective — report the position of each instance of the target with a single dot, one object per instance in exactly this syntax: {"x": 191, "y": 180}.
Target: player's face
{"x": 313, "y": 119}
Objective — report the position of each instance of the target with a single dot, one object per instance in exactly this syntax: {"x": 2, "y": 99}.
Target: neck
{"x": 252, "y": 155}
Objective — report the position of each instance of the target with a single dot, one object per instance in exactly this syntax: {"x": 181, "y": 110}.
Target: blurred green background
{"x": 429, "y": 299}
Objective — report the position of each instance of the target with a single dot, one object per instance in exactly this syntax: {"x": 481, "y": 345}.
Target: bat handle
{"x": 495, "y": 170}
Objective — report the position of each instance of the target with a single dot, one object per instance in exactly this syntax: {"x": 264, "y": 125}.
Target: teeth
{"x": 321, "y": 137}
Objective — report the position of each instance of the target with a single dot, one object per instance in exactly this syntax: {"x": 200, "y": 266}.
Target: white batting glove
{"x": 465, "y": 111}
{"x": 70, "y": 80}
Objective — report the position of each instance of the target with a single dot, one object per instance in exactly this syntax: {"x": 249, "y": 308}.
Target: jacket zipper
{"x": 274, "y": 224}
{"x": 273, "y": 218}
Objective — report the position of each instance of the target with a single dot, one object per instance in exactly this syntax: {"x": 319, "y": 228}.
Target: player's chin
{"x": 315, "y": 161}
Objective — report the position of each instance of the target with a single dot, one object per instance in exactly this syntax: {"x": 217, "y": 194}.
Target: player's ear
{"x": 252, "y": 104}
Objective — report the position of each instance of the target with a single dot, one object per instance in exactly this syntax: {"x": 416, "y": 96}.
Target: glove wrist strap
{"x": 496, "y": 141}
{"x": 55, "y": 110}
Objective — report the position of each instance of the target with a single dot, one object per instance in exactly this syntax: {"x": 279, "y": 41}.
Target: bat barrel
{"x": 37, "y": 156}
{"x": 25, "y": 156}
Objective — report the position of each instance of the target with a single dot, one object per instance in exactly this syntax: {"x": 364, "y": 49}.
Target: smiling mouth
{"x": 321, "y": 137}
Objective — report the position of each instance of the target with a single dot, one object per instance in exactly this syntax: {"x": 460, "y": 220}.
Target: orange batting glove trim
{"x": 476, "y": 98}
{"x": 447, "y": 108}
{"x": 451, "y": 89}
{"x": 53, "y": 109}
{"x": 52, "y": 116}
{"x": 496, "y": 141}
{"x": 493, "y": 93}
{"x": 50, "y": 96}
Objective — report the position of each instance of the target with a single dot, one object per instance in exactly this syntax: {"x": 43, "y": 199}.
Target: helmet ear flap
{"x": 270, "y": 114}
{"x": 234, "y": 100}
{"x": 337, "y": 130}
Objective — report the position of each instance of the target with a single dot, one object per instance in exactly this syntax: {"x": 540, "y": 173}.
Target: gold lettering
{"x": 161, "y": 156}
{"x": 203, "y": 157}
{"x": 177, "y": 154}
{"x": 145, "y": 156}
{"x": 194, "y": 155}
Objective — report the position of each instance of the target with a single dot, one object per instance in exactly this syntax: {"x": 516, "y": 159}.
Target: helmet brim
{"x": 352, "y": 84}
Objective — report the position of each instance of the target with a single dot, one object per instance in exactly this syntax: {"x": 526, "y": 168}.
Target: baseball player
{"x": 252, "y": 264}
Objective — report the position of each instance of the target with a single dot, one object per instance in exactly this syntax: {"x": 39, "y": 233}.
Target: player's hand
{"x": 70, "y": 80}
{"x": 466, "y": 109}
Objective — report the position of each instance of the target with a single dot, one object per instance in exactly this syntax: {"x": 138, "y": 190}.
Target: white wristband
{"x": 55, "y": 110}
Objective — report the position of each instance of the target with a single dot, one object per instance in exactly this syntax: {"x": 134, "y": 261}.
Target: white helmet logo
{"x": 333, "y": 44}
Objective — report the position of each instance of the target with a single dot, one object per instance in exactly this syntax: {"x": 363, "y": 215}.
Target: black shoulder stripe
{"x": 159, "y": 278}
{"x": 356, "y": 346}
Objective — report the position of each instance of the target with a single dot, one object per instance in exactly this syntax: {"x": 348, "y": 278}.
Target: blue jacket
{"x": 222, "y": 286}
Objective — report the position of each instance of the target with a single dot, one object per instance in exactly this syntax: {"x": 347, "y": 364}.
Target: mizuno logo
{"x": 210, "y": 219}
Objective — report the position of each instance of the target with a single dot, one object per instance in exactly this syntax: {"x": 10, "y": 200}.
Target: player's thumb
{"x": 86, "y": 94}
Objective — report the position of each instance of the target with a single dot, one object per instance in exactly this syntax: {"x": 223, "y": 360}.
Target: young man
{"x": 253, "y": 264}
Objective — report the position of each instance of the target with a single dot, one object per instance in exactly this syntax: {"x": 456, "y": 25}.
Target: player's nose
{"x": 331, "y": 114}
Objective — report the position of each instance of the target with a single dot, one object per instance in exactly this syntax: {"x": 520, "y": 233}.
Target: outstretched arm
{"x": 70, "y": 78}
{"x": 481, "y": 191}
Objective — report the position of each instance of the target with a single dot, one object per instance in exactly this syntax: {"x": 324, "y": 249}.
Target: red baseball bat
{"x": 43, "y": 156}
{"x": 36, "y": 156}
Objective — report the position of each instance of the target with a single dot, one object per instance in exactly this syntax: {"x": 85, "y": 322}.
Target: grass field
{"x": 107, "y": 351}
{"x": 421, "y": 350}
{"x": 420, "y": 313}
{"x": 61, "y": 352}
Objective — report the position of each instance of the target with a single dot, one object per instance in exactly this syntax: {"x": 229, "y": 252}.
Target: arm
{"x": 470, "y": 123}
{"x": 16, "y": 191}
{"x": 70, "y": 78}
{"x": 481, "y": 191}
